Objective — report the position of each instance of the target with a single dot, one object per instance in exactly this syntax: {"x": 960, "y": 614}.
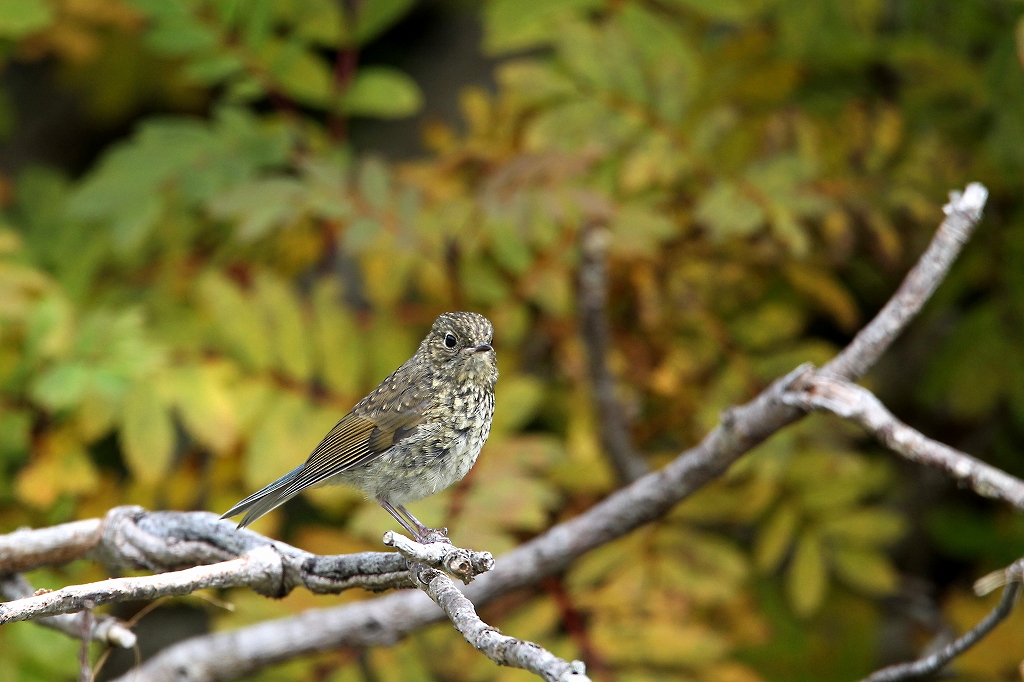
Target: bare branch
{"x": 262, "y": 570}
{"x": 103, "y": 629}
{"x": 25, "y": 549}
{"x": 227, "y": 656}
{"x": 501, "y": 649}
{"x": 816, "y": 391}
{"x": 935, "y": 662}
{"x": 593, "y": 303}
{"x": 962, "y": 215}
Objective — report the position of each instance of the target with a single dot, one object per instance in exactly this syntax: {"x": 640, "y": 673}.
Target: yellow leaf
{"x": 287, "y": 326}
{"x": 62, "y": 466}
{"x": 205, "y": 404}
{"x": 338, "y": 340}
{"x": 238, "y": 323}
{"x": 807, "y": 580}
{"x": 865, "y": 527}
{"x": 390, "y": 344}
{"x": 289, "y": 431}
{"x": 516, "y": 400}
{"x": 866, "y": 570}
{"x": 147, "y": 433}
{"x": 775, "y": 538}
{"x": 825, "y": 292}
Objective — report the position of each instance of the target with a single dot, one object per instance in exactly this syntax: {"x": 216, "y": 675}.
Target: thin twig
{"x": 104, "y": 629}
{"x": 963, "y": 212}
{"x": 224, "y": 656}
{"x": 230, "y": 655}
{"x": 501, "y": 649}
{"x": 593, "y": 304}
{"x": 938, "y": 660}
{"x": 816, "y": 391}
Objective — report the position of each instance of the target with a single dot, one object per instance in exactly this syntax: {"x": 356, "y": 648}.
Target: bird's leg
{"x": 398, "y": 517}
{"x": 427, "y": 533}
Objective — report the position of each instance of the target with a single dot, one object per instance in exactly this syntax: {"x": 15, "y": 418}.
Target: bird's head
{"x": 459, "y": 344}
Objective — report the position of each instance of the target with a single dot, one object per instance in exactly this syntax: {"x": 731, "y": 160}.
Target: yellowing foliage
{"x": 180, "y": 324}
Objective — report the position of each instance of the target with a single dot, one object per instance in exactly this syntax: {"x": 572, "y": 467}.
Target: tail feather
{"x": 263, "y": 501}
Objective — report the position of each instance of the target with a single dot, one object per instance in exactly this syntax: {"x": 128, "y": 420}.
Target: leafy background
{"x": 223, "y": 221}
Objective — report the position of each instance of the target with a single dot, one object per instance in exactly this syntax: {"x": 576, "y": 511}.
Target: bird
{"x": 418, "y": 432}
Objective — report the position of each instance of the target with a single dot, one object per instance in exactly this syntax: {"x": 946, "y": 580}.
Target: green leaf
{"x": 260, "y": 206}
{"x": 728, "y": 212}
{"x": 381, "y": 92}
{"x": 20, "y": 17}
{"x": 534, "y": 82}
{"x": 872, "y": 527}
{"x": 730, "y": 11}
{"x": 639, "y": 230}
{"x": 482, "y": 282}
{"x": 374, "y": 182}
{"x": 239, "y": 325}
{"x": 147, "y": 433}
{"x": 63, "y": 386}
{"x": 213, "y": 70}
{"x": 519, "y": 397}
{"x": 320, "y": 22}
{"x": 181, "y": 36}
{"x": 807, "y": 580}
{"x": 373, "y": 17}
{"x": 865, "y": 570}
{"x": 302, "y": 73}
{"x": 15, "y": 426}
{"x": 512, "y": 25}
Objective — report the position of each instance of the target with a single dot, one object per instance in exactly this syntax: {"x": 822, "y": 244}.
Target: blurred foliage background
{"x": 223, "y": 221}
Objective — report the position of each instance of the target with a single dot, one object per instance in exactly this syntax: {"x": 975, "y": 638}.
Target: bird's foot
{"x": 426, "y": 536}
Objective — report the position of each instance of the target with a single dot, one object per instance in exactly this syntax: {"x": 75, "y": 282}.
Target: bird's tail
{"x": 263, "y": 501}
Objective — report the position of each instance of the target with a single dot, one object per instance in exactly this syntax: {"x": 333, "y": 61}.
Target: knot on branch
{"x": 134, "y": 538}
{"x": 464, "y": 564}
{"x": 269, "y": 574}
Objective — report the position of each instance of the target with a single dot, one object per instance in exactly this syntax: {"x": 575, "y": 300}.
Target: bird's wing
{"x": 361, "y": 435}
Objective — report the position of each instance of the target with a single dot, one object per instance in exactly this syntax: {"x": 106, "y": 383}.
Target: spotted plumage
{"x": 417, "y": 433}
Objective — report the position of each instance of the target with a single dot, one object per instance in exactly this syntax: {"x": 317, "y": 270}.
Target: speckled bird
{"x": 417, "y": 433}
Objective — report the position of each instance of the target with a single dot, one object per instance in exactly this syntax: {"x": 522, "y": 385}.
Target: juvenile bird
{"x": 414, "y": 435}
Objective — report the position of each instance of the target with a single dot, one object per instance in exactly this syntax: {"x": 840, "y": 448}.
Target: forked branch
{"x": 226, "y": 656}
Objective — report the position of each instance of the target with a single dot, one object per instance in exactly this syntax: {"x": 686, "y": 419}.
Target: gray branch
{"x": 103, "y": 629}
{"x": 593, "y": 304}
{"x": 501, "y": 649}
{"x": 213, "y": 552}
{"x": 25, "y": 549}
{"x": 963, "y": 212}
{"x": 227, "y": 656}
{"x": 231, "y": 655}
{"x": 933, "y": 663}
{"x": 818, "y": 391}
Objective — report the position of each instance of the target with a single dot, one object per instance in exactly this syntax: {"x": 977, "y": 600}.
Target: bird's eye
{"x": 450, "y": 341}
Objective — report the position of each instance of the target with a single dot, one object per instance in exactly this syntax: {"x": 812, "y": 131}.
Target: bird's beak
{"x": 483, "y": 348}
